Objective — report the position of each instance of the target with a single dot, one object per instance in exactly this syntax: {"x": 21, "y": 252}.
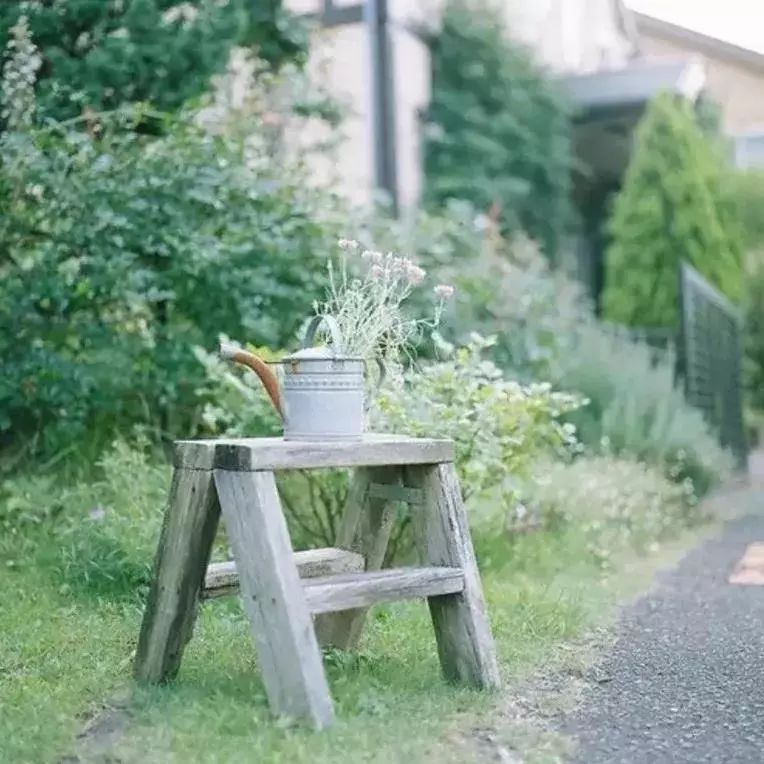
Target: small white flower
{"x": 482, "y": 222}
{"x": 371, "y": 255}
{"x": 347, "y": 244}
{"x": 377, "y": 271}
{"x": 97, "y": 513}
{"x": 444, "y": 291}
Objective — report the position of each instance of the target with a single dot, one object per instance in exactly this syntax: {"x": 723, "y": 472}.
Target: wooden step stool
{"x": 281, "y": 590}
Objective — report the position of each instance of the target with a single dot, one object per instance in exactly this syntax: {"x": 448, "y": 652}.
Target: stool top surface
{"x": 269, "y": 454}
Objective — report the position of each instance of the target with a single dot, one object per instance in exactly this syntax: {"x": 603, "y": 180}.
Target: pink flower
{"x": 370, "y": 254}
{"x": 377, "y": 271}
{"x": 415, "y": 274}
{"x": 444, "y": 291}
{"x": 347, "y": 244}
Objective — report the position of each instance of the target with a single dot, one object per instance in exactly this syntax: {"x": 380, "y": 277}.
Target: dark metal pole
{"x": 382, "y": 101}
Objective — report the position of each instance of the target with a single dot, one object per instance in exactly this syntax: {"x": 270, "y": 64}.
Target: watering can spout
{"x": 267, "y": 377}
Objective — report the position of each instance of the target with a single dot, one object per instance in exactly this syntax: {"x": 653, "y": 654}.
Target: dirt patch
{"x": 521, "y": 729}
{"x": 101, "y": 733}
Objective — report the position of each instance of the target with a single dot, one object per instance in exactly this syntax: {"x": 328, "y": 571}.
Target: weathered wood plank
{"x": 463, "y": 632}
{"x": 222, "y": 577}
{"x": 328, "y": 594}
{"x": 365, "y": 528}
{"x": 188, "y": 530}
{"x": 273, "y": 598}
{"x": 270, "y": 454}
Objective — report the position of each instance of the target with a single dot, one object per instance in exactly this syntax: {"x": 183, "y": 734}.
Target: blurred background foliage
{"x": 137, "y": 231}
{"x": 144, "y": 218}
{"x": 103, "y": 54}
{"x": 497, "y": 132}
{"x": 675, "y": 205}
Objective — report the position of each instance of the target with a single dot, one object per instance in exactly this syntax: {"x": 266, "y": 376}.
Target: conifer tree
{"x": 674, "y": 205}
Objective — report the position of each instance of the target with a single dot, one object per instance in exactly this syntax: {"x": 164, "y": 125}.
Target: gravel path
{"x": 684, "y": 683}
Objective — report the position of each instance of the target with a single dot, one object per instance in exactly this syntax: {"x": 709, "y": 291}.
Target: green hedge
{"x": 102, "y": 54}
{"x": 120, "y": 252}
{"x": 497, "y": 128}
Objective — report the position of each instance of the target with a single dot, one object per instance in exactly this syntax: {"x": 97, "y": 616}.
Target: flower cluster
{"x": 366, "y": 291}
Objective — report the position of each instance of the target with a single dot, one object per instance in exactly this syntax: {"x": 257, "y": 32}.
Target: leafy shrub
{"x": 510, "y": 291}
{"x": 636, "y": 409}
{"x": 497, "y": 131}
{"x": 753, "y": 361}
{"x": 674, "y": 205}
{"x": 545, "y": 329}
{"x": 499, "y": 427}
{"x": 749, "y": 194}
{"x": 616, "y": 502}
{"x": 119, "y": 252}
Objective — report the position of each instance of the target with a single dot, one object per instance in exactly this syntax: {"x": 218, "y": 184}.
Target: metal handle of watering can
{"x": 334, "y": 331}
{"x": 337, "y": 345}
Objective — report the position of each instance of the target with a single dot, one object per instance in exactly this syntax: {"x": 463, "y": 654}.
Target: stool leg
{"x": 365, "y": 528}
{"x": 463, "y": 633}
{"x": 273, "y": 598}
{"x": 188, "y": 530}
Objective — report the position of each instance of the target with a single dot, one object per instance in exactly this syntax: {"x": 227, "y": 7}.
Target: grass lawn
{"x": 63, "y": 656}
{"x": 67, "y": 642}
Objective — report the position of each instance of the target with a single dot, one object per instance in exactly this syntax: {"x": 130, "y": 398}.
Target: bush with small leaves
{"x": 636, "y": 409}
{"x": 618, "y": 503}
{"x": 500, "y": 427}
{"x": 120, "y": 252}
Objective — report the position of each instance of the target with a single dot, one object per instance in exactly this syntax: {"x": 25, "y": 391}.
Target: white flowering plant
{"x": 17, "y": 97}
{"x": 366, "y": 295}
{"x": 615, "y": 501}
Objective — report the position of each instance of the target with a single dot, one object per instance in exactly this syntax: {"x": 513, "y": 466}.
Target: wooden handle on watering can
{"x": 260, "y": 367}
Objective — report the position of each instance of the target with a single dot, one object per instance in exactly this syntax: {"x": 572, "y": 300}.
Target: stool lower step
{"x": 222, "y": 578}
{"x": 329, "y": 594}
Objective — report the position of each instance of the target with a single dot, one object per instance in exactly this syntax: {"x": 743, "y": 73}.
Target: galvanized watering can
{"x": 323, "y": 393}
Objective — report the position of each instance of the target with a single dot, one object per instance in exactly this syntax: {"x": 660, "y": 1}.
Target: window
{"x": 749, "y": 150}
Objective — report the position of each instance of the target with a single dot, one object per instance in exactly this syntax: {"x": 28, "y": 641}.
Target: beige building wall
{"x": 571, "y": 36}
{"x": 341, "y": 63}
{"x": 739, "y": 89}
